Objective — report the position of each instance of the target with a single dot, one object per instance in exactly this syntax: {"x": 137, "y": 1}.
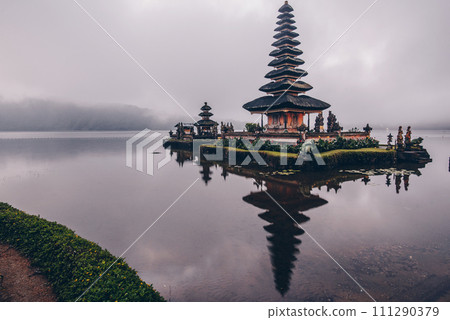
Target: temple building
{"x": 205, "y": 126}
{"x": 185, "y": 128}
{"x": 285, "y": 104}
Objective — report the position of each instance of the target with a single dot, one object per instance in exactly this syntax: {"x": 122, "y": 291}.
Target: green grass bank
{"x": 71, "y": 263}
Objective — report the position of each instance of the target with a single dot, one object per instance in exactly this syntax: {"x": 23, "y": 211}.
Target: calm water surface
{"x": 225, "y": 240}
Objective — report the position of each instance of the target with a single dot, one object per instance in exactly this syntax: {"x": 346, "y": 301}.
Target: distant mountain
{"x": 42, "y": 115}
{"x": 46, "y": 115}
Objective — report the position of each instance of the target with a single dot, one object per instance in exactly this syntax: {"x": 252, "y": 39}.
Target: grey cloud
{"x": 390, "y": 68}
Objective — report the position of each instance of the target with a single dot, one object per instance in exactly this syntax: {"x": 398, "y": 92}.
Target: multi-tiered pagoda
{"x": 206, "y": 127}
{"x": 286, "y": 104}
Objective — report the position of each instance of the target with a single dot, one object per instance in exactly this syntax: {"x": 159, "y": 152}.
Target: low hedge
{"x": 367, "y": 156}
{"x": 70, "y": 262}
{"x": 322, "y": 145}
{"x": 346, "y": 144}
{"x": 333, "y": 159}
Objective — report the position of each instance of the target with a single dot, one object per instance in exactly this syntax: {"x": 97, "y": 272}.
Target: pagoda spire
{"x": 286, "y": 102}
{"x": 286, "y": 62}
{"x": 205, "y": 114}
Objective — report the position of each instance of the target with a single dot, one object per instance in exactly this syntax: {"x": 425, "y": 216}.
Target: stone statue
{"x": 367, "y": 129}
{"x": 389, "y": 143}
{"x": 179, "y": 130}
{"x": 400, "y": 145}
{"x": 406, "y": 182}
{"x": 408, "y": 138}
{"x": 338, "y": 128}
{"x": 398, "y": 182}
{"x": 366, "y": 180}
{"x": 302, "y": 128}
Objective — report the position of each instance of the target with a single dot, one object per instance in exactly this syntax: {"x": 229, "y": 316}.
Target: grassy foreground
{"x": 71, "y": 263}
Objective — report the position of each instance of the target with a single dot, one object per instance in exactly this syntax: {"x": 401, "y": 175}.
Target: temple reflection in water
{"x": 284, "y": 217}
{"x": 284, "y": 200}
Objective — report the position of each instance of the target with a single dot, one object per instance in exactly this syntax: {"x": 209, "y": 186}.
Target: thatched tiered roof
{"x": 283, "y": 85}
{"x": 286, "y": 33}
{"x": 286, "y": 101}
{"x": 286, "y": 27}
{"x": 286, "y": 15}
{"x": 286, "y": 61}
{"x": 286, "y": 42}
{"x": 206, "y": 123}
{"x": 286, "y": 73}
{"x": 286, "y": 51}
{"x": 285, "y": 8}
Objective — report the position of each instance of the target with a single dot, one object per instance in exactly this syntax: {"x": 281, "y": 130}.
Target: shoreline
{"x": 71, "y": 263}
{"x": 19, "y": 281}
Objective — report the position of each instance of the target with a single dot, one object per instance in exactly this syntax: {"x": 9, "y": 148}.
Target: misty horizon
{"x": 44, "y": 115}
{"x": 390, "y": 69}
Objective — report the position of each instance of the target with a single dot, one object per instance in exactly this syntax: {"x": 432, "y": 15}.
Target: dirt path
{"x": 19, "y": 280}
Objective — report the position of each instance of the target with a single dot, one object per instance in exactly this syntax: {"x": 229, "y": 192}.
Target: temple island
{"x": 285, "y": 111}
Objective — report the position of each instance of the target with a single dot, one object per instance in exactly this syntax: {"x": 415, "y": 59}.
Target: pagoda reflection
{"x": 284, "y": 200}
{"x": 206, "y": 172}
{"x": 284, "y": 225}
{"x": 182, "y": 156}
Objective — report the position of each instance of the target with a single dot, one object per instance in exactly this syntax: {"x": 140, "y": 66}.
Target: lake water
{"x": 225, "y": 239}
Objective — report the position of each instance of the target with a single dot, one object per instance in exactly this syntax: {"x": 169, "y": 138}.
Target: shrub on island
{"x": 366, "y": 156}
{"x": 346, "y": 144}
{"x": 322, "y": 145}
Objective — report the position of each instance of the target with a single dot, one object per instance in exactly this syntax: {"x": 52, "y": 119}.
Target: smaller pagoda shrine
{"x": 206, "y": 128}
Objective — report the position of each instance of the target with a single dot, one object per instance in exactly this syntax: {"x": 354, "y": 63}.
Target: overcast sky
{"x": 391, "y": 68}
